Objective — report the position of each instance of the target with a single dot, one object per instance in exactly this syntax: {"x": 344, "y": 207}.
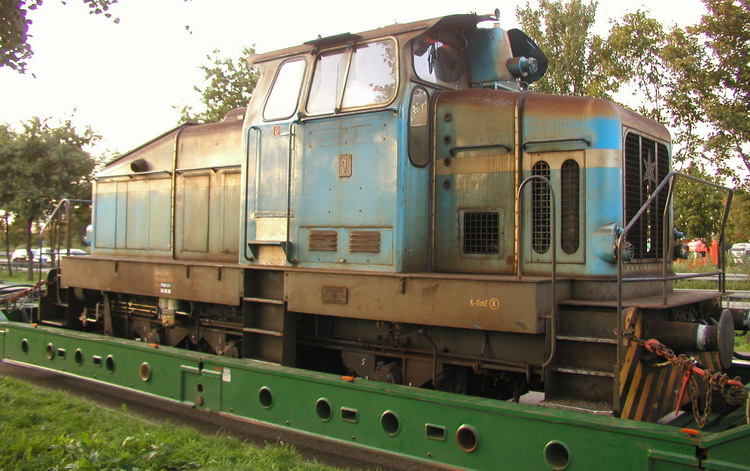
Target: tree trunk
{"x": 28, "y": 250}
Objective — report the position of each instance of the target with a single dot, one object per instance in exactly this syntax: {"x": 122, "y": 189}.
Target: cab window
{"x": 353, "y": 78}
{"x": 437, "y": 62}
{"x": 282, "y": 101}
{"x": 419, "y": 132}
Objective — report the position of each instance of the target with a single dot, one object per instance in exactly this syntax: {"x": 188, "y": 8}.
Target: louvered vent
{"x": 364, "y": 241}
{"x": 540, "y": 209}
{"x": 570, "y": 210}
{"x": 323, "y": 241}
{"x": 646, "y": 165}
{"x": 481, "y": 232}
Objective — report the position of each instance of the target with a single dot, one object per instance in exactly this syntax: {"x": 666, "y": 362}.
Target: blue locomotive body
{"x": 398, "y": 204}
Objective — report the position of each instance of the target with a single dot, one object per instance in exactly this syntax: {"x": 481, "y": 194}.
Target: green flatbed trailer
{"x": 428, "y": 426}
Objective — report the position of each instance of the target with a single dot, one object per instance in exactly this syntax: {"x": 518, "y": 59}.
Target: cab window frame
{"x": 425, "y": 161}
{"x": 343, "y": 77}
{"x": 272, "y": 88}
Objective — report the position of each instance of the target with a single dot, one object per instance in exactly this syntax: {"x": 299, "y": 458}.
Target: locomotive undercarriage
{"x": 288, "y": 318}
{"x": 490, "y": 364}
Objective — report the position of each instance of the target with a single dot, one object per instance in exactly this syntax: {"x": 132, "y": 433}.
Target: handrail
{"x": 66, "y": 203}
{"x": 454, "y": 150}
{"x": 556, "y": 141}
{"x": 667, "y": 242}
{"x": 246, "y": 209}
{"x": 553, "y": 240}
{"x": 292, "y": 141}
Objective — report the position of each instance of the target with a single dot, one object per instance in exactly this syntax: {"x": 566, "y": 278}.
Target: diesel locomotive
{"x": 399, "y": 205}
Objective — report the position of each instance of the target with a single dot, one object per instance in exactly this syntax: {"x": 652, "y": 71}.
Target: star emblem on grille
{"x": 649, "y": 175}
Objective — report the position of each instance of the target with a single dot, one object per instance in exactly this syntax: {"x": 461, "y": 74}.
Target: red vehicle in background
{"x": 698, "y": 247}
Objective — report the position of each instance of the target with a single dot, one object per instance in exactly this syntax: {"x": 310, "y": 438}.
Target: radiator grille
{"x": 323, "y": 241}
{"x": 646, "y": 165}
{"x": 364, "y": 241}
{"x": 540, "y": 209}
{"x": 482, "y": 232}
{"x": 570, "y": 211}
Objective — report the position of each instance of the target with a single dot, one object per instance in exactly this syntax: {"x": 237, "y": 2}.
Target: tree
{"x": 711, "y": 67}
{"x": 632, "y": 54}
{"x": 228, "y": 84}
{"x": 577, "y": 59}
{"x": 41, "y": 165}
{"x": 697, "y": 207}
{"x": 15, "y": 49}
{"x": 738, "y": 226}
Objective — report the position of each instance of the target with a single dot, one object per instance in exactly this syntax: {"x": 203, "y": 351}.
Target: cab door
{"x": 474, "y": 182}
{"x": 271, "y": 148}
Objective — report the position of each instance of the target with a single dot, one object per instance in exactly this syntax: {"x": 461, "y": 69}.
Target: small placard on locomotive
{"x": 335, "y": 294}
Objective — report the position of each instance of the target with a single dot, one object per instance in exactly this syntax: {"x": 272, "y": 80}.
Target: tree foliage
{"x": 633, "y": 52}
{"x": 228, "y": 84}
{"x": 695, "y": 80}
{"x": 711, "y": 66}
{"x": 577, "y": 60}
{"x": 15, "y": 48}
{"x": 698, "y": 208}
{"x": 39, "y": 166}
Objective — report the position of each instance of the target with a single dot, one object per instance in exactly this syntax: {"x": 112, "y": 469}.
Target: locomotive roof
{"x": 456, "y": 21}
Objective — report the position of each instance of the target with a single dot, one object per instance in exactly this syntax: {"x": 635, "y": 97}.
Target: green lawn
{"x": 49, "y": 430}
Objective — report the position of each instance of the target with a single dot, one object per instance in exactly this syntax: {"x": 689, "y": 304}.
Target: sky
{"x": 127, "y": 80}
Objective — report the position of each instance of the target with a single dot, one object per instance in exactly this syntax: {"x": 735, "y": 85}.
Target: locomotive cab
{"x": 356, "y": 192}
{"x": 403, "y": 149}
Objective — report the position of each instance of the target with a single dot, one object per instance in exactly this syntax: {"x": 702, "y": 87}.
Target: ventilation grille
{"x": 323, "y": 241}
{"x": 540, "y": 209}
{"x": 646, "y": 165}
{"x": 482, "y": 233}
{"x": 570, "y": 211}
{"x": 364, "y": 241}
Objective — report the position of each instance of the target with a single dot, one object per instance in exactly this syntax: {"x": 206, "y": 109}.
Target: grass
{"x": 20, "y": 276}
{"x": 690, "y": 266}
{"x": 50, "y": 430}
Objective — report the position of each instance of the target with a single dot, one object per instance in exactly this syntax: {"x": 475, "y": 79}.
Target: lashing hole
{"x": 557, "y": 455}
{"x": 349, "y": 415}
{"x": 25, "y": 346}
{"x": 199, "y": 388}
{"x": 434, "y": 432}
{"x": 144, "y": 371}
{"x": 109, "y": 363}
{"x": 78, "y": 357}
{"x": 265, "y": 397}
{"x": 50, "y": 351}
{"x": 390, "y": 423}
{"x": 467, "y": 438}
{"x": 323, "y": 409}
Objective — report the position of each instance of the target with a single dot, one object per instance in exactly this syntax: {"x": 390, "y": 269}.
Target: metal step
{"x": 578, "y": 405}
{"x": 263, "y": 300}
{"x": 583, "y": 372}
{"x": 252, "y": 330}
{"x": 577, "y": 338}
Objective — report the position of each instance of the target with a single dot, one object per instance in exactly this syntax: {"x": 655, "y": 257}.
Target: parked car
{"x": 20, "y": 255}
{"x": 72, "y": 252}
{"x": 740, "y": 250}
